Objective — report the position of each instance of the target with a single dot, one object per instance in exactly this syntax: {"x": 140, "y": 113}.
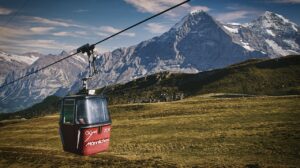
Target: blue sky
{"x": 50, "y": 26}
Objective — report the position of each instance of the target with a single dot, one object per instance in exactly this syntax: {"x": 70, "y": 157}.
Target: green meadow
{"x": 201, "y": 131}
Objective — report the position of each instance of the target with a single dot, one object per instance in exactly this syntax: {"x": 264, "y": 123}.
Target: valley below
{"x": 214, "y": 130}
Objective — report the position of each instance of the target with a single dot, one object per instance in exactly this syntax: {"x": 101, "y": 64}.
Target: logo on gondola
{"x": 100, "y": 141}
{"x": 106, "y": 130}
{"x": 90, "y": 133}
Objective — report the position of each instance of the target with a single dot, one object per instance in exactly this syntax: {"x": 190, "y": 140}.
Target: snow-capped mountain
{"x": 197, "y": 43}
{"x": 13, "y": 62}
{"x": 56, "y": 79}
{"x": 271, "y": 33}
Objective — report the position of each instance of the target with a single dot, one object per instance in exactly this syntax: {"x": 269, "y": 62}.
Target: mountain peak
{"x": 273, "y": 16}
{"x": 63, "y": 53}
{"x": 193, "y": 18}
{"x": 273, "y": 21}
{"x": 268, "y": 13}
{"x": 198, "y": 14}
{"x": 197, "y": 11}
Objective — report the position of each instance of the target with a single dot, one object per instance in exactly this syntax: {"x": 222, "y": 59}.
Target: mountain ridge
{"x": 14, "y": 62}
{"x": 198, "y": 43}
{"x": 255, "y": 77}
{"x": 252, "y": 77}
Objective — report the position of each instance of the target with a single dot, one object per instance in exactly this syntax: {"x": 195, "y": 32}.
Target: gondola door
{"x": 69, "y": 131}
{"x": 93, "y": 115}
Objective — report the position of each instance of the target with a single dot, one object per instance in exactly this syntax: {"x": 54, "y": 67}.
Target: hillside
{"x": 195, "y": 132}
{"x": 255, "y": 77}
{"x": 47, "y": 106}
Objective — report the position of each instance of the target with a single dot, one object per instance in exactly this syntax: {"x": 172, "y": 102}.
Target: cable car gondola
{"x": 85, "y": 122}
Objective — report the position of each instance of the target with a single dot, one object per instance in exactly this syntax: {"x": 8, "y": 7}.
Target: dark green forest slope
{"x": 253, "y": 77}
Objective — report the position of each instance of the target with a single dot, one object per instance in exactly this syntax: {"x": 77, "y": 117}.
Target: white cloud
{"x": 155, "y": 6}
{"x": 102, "y": 34}
{"x": 5, "y": 11}
{"x": 51, "y": 22}
{"x": 41, "y": 30}
{"x": 81, "y": 10}
{"x": 19, "y": 38}
{"x": 63, "y": 34}
{"x": 156, "y": 28}
{"x": 83, "y": 33}
{"x": 101, "y": 49}
{"x": 15, "y": 39}
{"x": 231, "y": 16}
{"x": 200, "y": 8}
{"x": 108, "y": 30}
{"x": 70, "y": 34}
{"x": 235, "y": 15}
{"x": 47, "y": 44}
{"x": 40, "y": 45}
{"x": 19, "y": 32}
{"x": 13, "y": 32}
{"x": 286, "y": 1}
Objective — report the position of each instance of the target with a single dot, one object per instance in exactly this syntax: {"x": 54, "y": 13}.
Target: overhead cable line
{"x": 36, "y": 71}
{"x": 87, "y": 47}
{"x": 145, "y": 20}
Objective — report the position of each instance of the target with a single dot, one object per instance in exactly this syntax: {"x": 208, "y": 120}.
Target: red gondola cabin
{"x": 85, "y": 124}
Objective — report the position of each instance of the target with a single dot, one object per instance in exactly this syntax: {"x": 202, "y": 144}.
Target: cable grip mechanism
{"x": 89, "y": 49}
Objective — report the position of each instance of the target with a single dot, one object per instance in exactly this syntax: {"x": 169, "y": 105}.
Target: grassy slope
{"x": 259, "y": 77}
{"x": 238, "y": 132}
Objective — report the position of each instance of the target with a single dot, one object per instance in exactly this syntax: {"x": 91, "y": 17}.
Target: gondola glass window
{"x": 69, "y": 111}
{"x": 92, "y": 111}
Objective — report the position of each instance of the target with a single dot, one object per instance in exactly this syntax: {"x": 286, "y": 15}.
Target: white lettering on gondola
{"x": 106, "y": 130}
{"x": 90, "y": 133}
{"x": 98, "y": 142}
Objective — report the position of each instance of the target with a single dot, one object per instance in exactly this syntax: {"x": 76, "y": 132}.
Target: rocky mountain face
{"x": 56, "y": 79}
{"x": 14, "y": 62}
{"x": 271, "y": 34}
{"x": 200, "y": 43}
{"x": 197, "y": 43}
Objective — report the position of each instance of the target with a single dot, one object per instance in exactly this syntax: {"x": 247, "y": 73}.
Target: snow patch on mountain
{"x": 246, "y": 46}
{"x": 270, "y": 32}
{"x": 276, "y": 47}
{"x": 294, "y": 26}
{"x": 235, "y": 24}
{"x": 13, "y": 62}
{"x": 230, "y": 29}
{"x": 18, "y": 58}
{"x": 291, "y": 43}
